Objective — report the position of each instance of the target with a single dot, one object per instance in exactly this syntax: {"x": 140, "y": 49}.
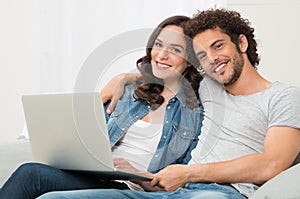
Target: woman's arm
{"x": 114, "y": 89}
{"x": 122, "y": 164}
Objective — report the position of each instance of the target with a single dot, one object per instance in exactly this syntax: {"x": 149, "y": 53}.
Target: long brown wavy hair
{"x": 149, "y": 88}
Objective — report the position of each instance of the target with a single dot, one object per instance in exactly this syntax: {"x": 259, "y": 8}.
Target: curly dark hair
{"x": 149, "y": 88}
{"x": 231, "y": 23}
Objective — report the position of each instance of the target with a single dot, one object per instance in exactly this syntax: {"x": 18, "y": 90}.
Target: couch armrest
{"x": 284, "y": 185}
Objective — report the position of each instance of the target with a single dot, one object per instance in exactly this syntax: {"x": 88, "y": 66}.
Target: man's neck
{"x": 250, "y": 82}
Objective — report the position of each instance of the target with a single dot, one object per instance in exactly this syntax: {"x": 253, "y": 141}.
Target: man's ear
{"x": 243, "y": 43}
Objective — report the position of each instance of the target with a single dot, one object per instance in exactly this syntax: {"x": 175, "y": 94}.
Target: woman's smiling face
{"x": 168, "y": 55}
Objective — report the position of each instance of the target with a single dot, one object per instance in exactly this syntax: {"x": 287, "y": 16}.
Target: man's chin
{"x": 218, "y": 79}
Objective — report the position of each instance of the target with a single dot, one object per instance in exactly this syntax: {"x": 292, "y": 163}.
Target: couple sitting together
{"x": 198, "y": 119}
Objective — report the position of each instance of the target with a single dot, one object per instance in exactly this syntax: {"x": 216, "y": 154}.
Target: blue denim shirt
{"x": 181, "y": 127}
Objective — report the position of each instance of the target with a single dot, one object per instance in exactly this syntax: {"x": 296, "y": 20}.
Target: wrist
{"x": 196, "y": 172}
{"x": 188, "y": 173}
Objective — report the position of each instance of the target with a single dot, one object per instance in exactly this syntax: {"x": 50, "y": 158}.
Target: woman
{"x": 155, "y": 123}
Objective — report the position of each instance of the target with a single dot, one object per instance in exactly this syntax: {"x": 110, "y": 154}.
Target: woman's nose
{"x": 163, "y": 54}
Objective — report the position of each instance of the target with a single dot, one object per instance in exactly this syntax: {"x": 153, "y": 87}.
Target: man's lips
{"x": 219, "y": 68}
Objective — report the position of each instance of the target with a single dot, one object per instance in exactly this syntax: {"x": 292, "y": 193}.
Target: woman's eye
{"x": 157, "y": 44}
{"x": 176, "y": 50}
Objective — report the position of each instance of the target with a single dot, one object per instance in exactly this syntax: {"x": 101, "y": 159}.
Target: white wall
{"x": 19, "y": 61}
{"x": 275, "y": 21}
{"x": 72, "y": 29}
{"x": 44, "y": 43}
{"x": 276, "y": 24}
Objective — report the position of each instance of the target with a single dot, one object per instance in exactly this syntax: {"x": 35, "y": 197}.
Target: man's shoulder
{"x": 282, "y": 90}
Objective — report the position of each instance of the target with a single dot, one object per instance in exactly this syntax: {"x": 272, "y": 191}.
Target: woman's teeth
{"x": 163, "y": 65}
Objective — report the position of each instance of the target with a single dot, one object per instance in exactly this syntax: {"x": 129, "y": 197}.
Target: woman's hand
{"x": 114, "y": 89}
{"x": 122, "y": 164}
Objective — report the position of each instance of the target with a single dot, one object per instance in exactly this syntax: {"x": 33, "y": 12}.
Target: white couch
{"x": 284, "y": 186}
{"x": 13, "y": 153}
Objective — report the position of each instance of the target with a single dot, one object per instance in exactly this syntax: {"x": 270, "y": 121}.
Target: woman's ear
{"x": 243, "y": 43}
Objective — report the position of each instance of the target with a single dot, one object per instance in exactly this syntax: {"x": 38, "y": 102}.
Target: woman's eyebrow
{"x": 172, "y": 44}
{"x": 177, "y": 45}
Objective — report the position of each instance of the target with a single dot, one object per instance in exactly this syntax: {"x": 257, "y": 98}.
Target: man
{"x": 250, "y": 131}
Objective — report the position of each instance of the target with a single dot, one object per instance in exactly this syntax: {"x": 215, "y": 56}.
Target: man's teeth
{"x": 221, "y": 66}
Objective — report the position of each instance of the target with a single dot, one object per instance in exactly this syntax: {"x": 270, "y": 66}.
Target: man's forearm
{"x": 129, "y": 78}
{"x": 256, "y": 168}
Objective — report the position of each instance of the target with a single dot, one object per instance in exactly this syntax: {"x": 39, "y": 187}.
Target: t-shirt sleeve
{"x": 284, "y": 108}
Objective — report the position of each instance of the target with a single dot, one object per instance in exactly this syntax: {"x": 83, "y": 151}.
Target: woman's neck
{"x": 171, "y": 87}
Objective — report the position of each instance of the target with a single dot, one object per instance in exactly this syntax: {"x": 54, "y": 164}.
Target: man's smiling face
{"x": 218, "y": 56}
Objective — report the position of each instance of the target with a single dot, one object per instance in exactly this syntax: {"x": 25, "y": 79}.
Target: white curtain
{"x": 71, "y": 30}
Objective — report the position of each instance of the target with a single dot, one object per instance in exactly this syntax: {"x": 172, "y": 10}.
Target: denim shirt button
{"x": 184, "y": 133}
{"x": 137, "y": 116}
{"x": 167, "y": 122}
{"x": 123, "y": 129}
{"x": 169, "y": 107}
{"x": 165, "y": 137}
{"x": 156, "y": 156}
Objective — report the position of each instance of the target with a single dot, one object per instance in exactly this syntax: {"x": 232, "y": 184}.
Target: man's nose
{"x": 212, "y": 56}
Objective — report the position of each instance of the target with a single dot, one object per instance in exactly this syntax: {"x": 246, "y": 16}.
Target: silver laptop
{"x": 68, "y": 131}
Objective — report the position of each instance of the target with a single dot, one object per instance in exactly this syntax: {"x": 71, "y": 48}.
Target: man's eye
{"x": 219, "y": 46}
{"x": 202, "y": 57}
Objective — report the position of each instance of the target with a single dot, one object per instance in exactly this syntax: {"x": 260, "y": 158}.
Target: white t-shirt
{"x": 236, "y": 126}
{"x": 138, "y": 146}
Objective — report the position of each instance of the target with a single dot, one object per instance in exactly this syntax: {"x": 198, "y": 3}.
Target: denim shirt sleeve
{"x": 188, "y": 156}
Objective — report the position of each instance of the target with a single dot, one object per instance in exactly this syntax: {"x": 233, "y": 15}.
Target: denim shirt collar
{"x": 180, "y": 95}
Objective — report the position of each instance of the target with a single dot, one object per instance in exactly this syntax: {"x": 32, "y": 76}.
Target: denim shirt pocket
{"x": 181, "y": 140}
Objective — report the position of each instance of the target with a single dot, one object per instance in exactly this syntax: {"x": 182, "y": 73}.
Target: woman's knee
{"x": 31, "y": 171}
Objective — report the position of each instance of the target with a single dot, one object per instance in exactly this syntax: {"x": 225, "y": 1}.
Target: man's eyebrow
{"x": 211, "y": 45}
{"x": 214, "y": 43}
{"x": 199, "y": 53}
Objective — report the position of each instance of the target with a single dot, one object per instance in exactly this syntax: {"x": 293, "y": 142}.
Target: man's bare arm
{"x": 114, "y": 89}
{"x": 281, "y": 147}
